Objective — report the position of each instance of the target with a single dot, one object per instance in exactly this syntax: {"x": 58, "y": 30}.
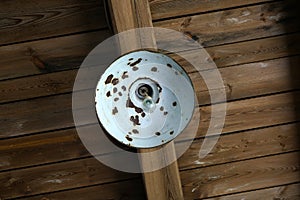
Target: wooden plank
{"x": 41, "y": 149}
{"x": 243, "y": 145}
{"x": 171, "y": 8}
{"x": 55, "y": 112}
{"x": 244, "y": 52}
{"x": 248, "y": 80}
{"x": 68, "y": 53}
{"x": 252, "y": 113}
{"x": 228, "y": 90}
{"x": 235, "y": 25}
{"x": 128, "y": 191}
{"x": 208, "y": 181}
{"x": 241, "y": 176}
{"x": 241, "y": 80}
{"x": 163, "y": 183}
{"x": 37, "y": 86}
{"x": 255, "y": 50}
{"x": 132, "y": 189}
{"x": 30, "y": 20}
{"x": 55, "y": 177}
{"x": 56, "y": 54}
{"x": 76, "y": 15}
{"x": 62, "y": 145}
{"x": 37, "y": 115}
{"x": 65, "y": 145}
{"x": 22, "y": 21}
{"x": 290, "y": 192}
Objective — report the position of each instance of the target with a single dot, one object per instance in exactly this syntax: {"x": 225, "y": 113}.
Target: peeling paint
{"x": 197, "y": 162}
{"x": 237, "y": 21}
{"x": 275, "y": 17}
{"x": 246, "y": 13}
{"x": 263, "y": 65}
{"x": 54, "y": 181}
{"x": 195, "y": 188}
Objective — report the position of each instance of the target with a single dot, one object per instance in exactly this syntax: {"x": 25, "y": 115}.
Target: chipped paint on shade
{"x": 139, "y": 84}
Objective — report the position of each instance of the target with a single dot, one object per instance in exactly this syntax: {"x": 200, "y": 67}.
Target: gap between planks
{"x": 271, "y": 26}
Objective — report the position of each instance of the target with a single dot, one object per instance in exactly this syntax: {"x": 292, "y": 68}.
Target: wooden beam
{"x": 164, "y": 183}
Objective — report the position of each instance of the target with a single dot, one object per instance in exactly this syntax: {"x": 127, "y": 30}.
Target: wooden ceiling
{"x": 255, "y": 45}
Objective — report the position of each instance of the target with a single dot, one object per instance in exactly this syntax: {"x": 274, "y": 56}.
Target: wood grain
{"x": 240, "y": 81}
{"x": 41, "y": 149}
{"x": 55, "y": 112}
{"x": 62, "y": 145}
{"x": 68, "y": 52}
{"x": 172, "y": 8}
{"x": 208, "y": 181}
{"x": 125, "y": 190}
{"x": 241, "y": 176}
{"x": 163, "y": 183}
{"x": 255, "y": 50}
{"x": 243, "y": 52}
{"x": 56, "y": 177}
{"x": 128, "y": 190}
{"x": 248, "y": 80}
{"x": 57, "y": 54}
{"x": 66, "y": 145}
{"x": 235, "y": 25}
{"x": 30, "y": 20}
{"x": 290, "y": 192}
{"x": 251, "y": 113}
{"x": 255, "y": 168}
{"x": 243, "y": 145}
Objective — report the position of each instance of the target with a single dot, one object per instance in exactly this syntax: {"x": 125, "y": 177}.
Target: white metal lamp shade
{"x": 144, "y": 99}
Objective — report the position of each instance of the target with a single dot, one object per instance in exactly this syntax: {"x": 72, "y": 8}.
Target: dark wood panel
{"x": 125, "y": 190}
{"x": 28, "y": 20}
{"x": 252, "y": 79}
{"x": 252, "y": 51}
{"x": 240, "y": 53}
{"x": 52, "y": 113}
{"x": 244, "y": 145}
{"x": 63, "y": 145}
{"x": 198, "y": 183}
{"x": 41, "y": 149}
{"x": 171, "y": 8}
{"x": 252, "y": 113}
{"x": 290, "y": 192}
{"x": 23, "y": 20}
{"x": 55, "y": 112}
{"x": 37, "y": 86}
{"x": 236, "y": 24}
{"x": 36, "y": 115}
{"x": 241, "y": 176}
{"x": 244, "y": 80}
{"x": 68, "y": 53}
{"x": 241, "y": 81}
{"x": 57, "y": 177}
{"x": 55, "y": 54}
{"x": 131, "y": 190}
